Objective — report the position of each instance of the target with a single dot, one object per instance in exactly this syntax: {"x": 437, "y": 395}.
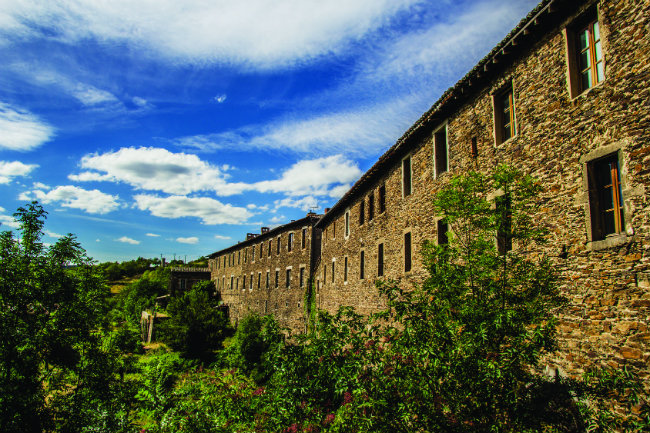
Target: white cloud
{"x": 153, "y": 169}
{"x": 191, "y": 240}
{"x": 255, "y": 33}
{"x": 152, "y": 235}
{"x": 356, "y": 132}
{"x": 8, "y": 221}
{"x": 89, "y": 95}
{"x": 22, "y": 130}
{"x": 278, "y": 219}
{"x": 219, "y": 99}
{"x": 221, "y": 237}
{"x": 128, "y": 240}
{"x": 140, "y": 102}
{"x": 314, "y": 176}
{"x": 306, "y": 203}
{"x": 209, "y": 210}
{"x": 52, "y": 234}
{"x": 91, "y": 201}
{"x": 11, "y": 169}
{"x": 40, "y": 185}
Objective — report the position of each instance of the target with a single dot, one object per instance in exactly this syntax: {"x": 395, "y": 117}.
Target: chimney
{"x": 250, "y": 236}
{"x": 265, "y": 230}
{"x": 327, "y": 209}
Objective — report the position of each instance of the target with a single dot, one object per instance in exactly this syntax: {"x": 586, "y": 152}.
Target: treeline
{"x": 115, "y": 271}
{"x": 462, "y": 352}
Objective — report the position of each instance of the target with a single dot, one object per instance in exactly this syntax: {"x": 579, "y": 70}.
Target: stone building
{"x": 269, "y": 272}
{"x": 182, "y": 279}
{"x": 565, "y": 98}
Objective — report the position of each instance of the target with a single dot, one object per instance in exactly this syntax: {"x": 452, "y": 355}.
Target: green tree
{"x": 196, "y": 326}
{"x": 52, "y": 305}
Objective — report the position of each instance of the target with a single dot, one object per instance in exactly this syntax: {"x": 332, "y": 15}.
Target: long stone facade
{"x": 564, "y": 97}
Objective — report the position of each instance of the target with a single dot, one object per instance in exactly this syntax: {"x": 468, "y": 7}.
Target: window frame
{"x": 408, "y": 251}
{"x": 571, "y": 32}
{"x": 406, "y": 192}
{"x": 380, "y": 259}
{"x": 440, "y": 139}
{"x": 498, "y": 110}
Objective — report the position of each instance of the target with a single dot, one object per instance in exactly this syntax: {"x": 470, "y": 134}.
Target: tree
{"x": 52, "y": 304}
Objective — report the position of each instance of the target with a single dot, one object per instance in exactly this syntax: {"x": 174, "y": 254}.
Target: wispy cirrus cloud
{"x": 253, "y": 33}
{"x": 91, "y": 201}
{"x": 22, "y": 130}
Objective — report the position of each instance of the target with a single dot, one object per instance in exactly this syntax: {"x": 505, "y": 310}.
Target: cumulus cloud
{"x": 53, "y": 234}
{"x": 90, "y": 95}
{"x": 22, "y": 130}
{"x": 209, "y": 210}
{"x": 128, "y": 240}
{"x": 221, "y": 237}
{"x": 153, "y": 169}
{"x": 11, "y": 169}
{"x": 90, "y": 201}
{"x": 191, "y": 240}
{"x": 140, "y": 102}
{"x": 306, "y": 203}
{"x": 152, "y": 235}
{"x": 254, "y": 33}
{"x": 7, "y": 221}
{"x": 219, "y": 99}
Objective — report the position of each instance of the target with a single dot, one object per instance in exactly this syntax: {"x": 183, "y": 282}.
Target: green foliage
{"x": 196, "y": 326}
{"x": 54, "y": 373}
{"x": 139, "y": 296}
{"x": 253, "y": 347}
{"x": 114, "y": 271}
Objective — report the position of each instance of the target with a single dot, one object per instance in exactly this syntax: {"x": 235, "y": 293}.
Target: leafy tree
{"x": 196, "y": 326}
{"x": 52, "y": 305}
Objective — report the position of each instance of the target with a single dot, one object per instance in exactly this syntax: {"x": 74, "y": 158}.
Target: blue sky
{"x": 154, "y": 127}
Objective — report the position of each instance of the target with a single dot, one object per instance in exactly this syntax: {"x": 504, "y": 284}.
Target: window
{"x": 440, "y": 151}
{"x": 362, "y": 212}
{"x": 334, "y": 229}
{"x": 290, "y": 242}
{"x": 304, "y": 238}
{"x": 474, "y": 148}
{"x": 268, "y": 279}
{"x": 250, "y": 284}
{"x": 268, "y": 250}
{"x": 302, "y": 277}
{"x": 333, "y": 275}
{"x": 406, "y": 176}
{"x": 380, "y": 260}
{"x": 382, "y": 198}
{"x": 288, "y": 279}
{"x": 244, "y": 282}
{"x": 324, "y": 274}
{"x": 245, "y": 255}
{"x": 237, "y": 283}
{"x": 278, "y": 246}
{"x": 232, "y": 281}
{"x": 239, "y": 257}
{"x": 253, "y": 253}
{"x": 345, "y": 269}
{"x": 504, "y": 229}
{"x": 584, "y": 53}
{"x": 259, "y": 280}
{"x": 261, "y": 249}
{"x": 442, "y": 228}
{"x": 347, "y": 223}
{"x": 605, "y": 197}
{"x": 371, "y": 206}
{"x": 407, "y": 252}
{"x": 362, "y": 265}
{"x": 504, "y": 115}
{"x": 277, "y": 278}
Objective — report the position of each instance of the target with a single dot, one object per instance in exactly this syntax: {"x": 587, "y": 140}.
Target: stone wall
{"x": 182, "y": 279}
{"x": 241, "y": 271}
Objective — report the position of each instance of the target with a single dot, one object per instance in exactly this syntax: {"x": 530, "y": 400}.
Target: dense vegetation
{"x": 460, "y": 353}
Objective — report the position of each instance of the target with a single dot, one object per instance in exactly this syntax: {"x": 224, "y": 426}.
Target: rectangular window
{"x": 277, "y": 279}
{"x": 253, "y": 253}
{"x": 362, "y": 212}
{"x": 288, "y": 279}
{"x": 371, "y": 206}
{"x": 239, "y": 257}
{"x": 442, "y": 228}
{"x": 243, "y": 286}
{"x": 334, "y": 229}
{"x": 474, "y": 148}
{"x": 290, "y": 242}
{"x": 362, "y": 265}
{"x": 406, "y": 176}
{"x": 278, "y": 246}
{"x": 261, "y": 249}
{"x": 333, "y": 274}
{"x": 345, "y": 269}
{"x": 382, "y": 198}
{"x": 232, "y": 282}
{"x": 237, "y": 283}
{"x": 268, "y": 278}
{"x": 245, "y": 255}
{"x": 259, "y": 280}
{"x": 407, "y": 252}
{"x": 250, "y": 284}
{"x": 605, "y": 197}
{"x": 380, "y": 260}
{"x": 504, "y": 228}
{"x": 504, "y": 115}
{"x": 268, "y": 250}
{"x": 302, "y": 277}
{"x": 324, "y": 274}
{"x": 590, "y": 66}
{"x": 440, "y": 151}
{"x": 304, "y": 238}
{"x": 347, "y": 223}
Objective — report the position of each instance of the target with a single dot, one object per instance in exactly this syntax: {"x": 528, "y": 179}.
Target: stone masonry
{"x": 524, "y": 104}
